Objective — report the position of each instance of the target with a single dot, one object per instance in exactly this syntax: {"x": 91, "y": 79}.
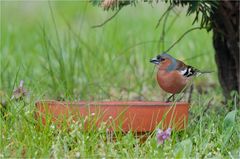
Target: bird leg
{"x": 171, "y": 97}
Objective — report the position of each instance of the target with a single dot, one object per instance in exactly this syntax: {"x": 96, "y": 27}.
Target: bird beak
{"x": 154, "y": 60}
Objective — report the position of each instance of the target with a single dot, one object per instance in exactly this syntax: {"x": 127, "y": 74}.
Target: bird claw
{"x": 169, "y": 98}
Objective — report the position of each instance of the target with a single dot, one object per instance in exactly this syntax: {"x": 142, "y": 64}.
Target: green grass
{"x": 59, "y": 56}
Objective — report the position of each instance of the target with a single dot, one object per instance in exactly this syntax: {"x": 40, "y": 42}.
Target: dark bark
{"x": 225, "y": 20}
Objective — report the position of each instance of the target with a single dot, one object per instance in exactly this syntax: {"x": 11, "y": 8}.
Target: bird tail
{"x": 203, "y": 72}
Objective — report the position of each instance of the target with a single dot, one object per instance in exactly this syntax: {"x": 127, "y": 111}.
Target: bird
{"x": 173, "y": 75}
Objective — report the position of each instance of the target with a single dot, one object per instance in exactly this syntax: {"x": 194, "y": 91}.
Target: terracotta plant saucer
{"x": 136, "y": 116}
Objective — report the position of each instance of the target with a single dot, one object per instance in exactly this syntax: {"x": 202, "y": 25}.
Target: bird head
{"x": 165, "y": 61}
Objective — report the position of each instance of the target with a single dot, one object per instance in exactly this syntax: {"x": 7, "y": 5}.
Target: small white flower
{"x": 93, "y": 114}
{"x": 27, "y": 112}
{"x": 78, "y": 154}
{"x": 52, "y": 127}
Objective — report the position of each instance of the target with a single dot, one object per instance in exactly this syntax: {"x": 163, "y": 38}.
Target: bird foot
{"x": 170, "y": 99}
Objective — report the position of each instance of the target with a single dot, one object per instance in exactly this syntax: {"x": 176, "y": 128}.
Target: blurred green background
{"x": 52, "y": 47}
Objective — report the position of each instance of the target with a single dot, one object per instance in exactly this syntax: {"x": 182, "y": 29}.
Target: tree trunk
{"x": 225, "y": 20}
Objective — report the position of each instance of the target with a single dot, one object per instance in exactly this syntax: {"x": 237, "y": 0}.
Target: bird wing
{"x": 187, "y": 70}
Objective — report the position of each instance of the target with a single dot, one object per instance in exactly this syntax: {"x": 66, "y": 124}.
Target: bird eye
{"x": 162, "y": 59}
{"x": 158, "y": 57}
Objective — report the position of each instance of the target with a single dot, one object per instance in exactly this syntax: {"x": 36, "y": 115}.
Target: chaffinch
{"x": 173, "y": 75}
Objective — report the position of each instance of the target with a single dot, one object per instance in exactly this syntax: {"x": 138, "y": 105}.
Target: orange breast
{"x": 171, "y": 82}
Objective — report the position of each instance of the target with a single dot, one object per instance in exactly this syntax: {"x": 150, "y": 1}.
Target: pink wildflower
{"x": 19, "y": 92}
{"x": 163, "y": 135}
